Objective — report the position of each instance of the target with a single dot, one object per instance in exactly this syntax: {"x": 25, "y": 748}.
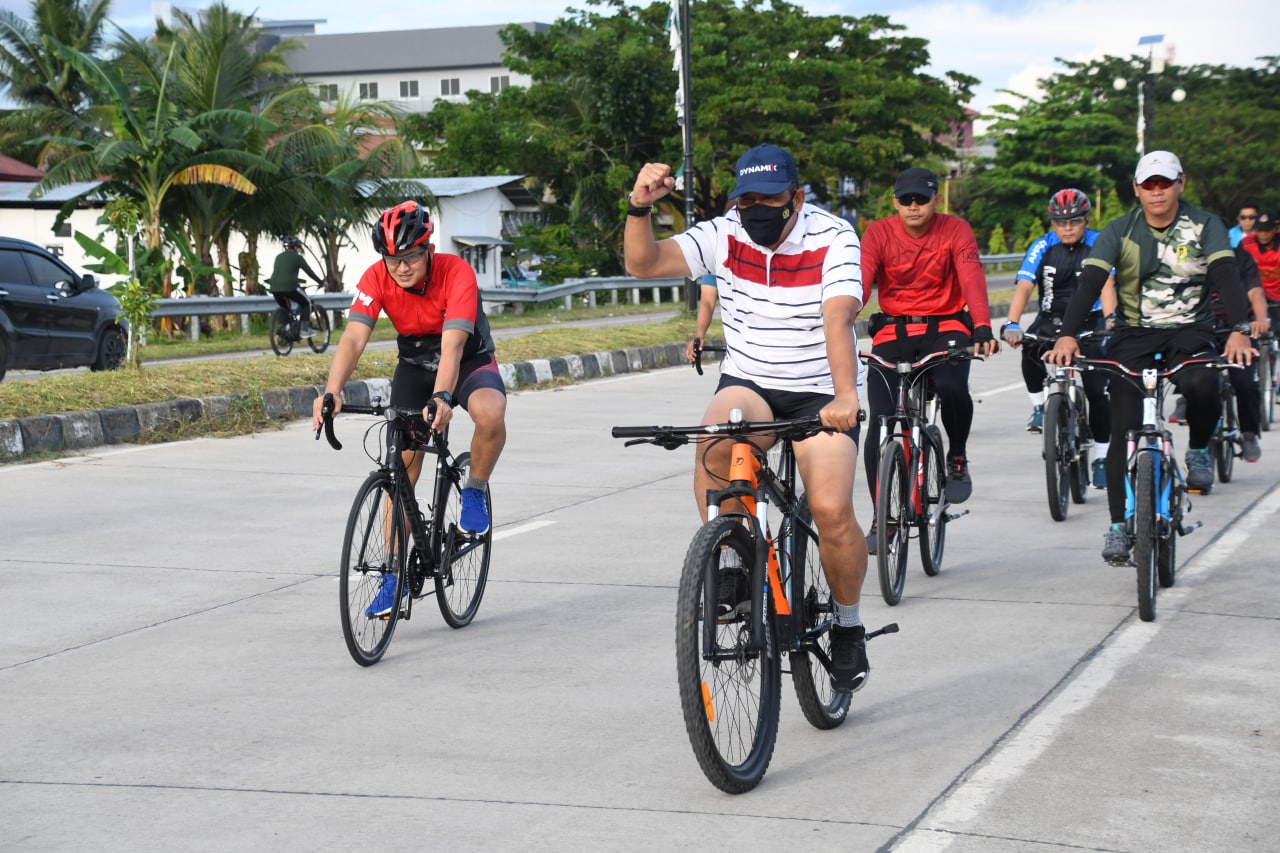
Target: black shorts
{"x": 1135, "y": 348}
{"x": 787, "y": 404}
{"x": 412, "y": 386}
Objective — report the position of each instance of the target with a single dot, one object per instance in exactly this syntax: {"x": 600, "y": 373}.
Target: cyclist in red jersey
{"x": 1263, "y": 245}
{"x": 446, "y": 349}
{"x": 933, "y": 295}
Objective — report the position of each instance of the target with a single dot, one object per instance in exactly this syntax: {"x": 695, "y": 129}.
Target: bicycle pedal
{"x": 891, "y": 628}
{"x": 1191, "y": 490}
{"x": 1184, "y": 529}
{"x": 952, "y": 516}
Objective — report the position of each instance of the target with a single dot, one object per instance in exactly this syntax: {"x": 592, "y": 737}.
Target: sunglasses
{"x": 914, "y": 198}
{"x": 1244, "y": 217}
{"x": 1075, "y": 220}
{"x": 1157, "y": 184}
{"x": 393, "y": 261}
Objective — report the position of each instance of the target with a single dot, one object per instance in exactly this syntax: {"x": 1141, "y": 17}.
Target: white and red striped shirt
{"x": 771, "y": 302}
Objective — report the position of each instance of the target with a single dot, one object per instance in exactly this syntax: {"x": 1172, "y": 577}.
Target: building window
{"x": 450, "y": 86}
{"x": 368, "y": 91}
{"x": 497, "y": 84}
{"x": 408, "y": 88}
{"x": 327, "y": 92}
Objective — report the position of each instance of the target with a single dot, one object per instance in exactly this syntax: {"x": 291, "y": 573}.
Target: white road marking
{"x": 523, "y": 528}
{"x": 970, "y": 798}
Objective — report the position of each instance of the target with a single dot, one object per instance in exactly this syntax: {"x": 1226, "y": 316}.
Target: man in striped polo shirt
{"x": 789, "y": 283}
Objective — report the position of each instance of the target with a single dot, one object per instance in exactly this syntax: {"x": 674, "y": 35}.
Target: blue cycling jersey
{"x": 1044, "y": 264}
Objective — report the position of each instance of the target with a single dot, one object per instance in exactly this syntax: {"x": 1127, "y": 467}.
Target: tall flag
{"x": 673, "y": 33}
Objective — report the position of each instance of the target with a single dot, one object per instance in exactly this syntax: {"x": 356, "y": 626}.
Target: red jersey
{"x": 451, "y": 301}
{"x": 1268, "y": 261}
{"x": 935, "y": 275}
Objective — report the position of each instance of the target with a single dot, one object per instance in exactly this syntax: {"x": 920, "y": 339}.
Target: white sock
{"x": 472, "y": 483}
{"x": 1037, "y": 397}
{"x": 1100, "y": 449}
{"x": 847, "y": 615}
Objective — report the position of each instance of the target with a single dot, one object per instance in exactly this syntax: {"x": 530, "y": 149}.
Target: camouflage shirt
{"x": 1161, "y": 276}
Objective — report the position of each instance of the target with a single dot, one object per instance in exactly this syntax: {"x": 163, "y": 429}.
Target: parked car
{"x": 51, "y": 317}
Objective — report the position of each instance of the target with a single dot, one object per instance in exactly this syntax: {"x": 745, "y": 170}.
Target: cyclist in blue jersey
{"x": 1053, "y": 264}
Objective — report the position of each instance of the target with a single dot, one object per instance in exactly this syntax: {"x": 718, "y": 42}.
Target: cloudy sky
{"x": 1007, "y": 44}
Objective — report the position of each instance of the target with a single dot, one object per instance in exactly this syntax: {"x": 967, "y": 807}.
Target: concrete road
{"x": 173, "y": 675}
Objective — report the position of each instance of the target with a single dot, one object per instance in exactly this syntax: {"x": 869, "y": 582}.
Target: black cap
{"x": 1266, "y": 220}
{"x": 916, "y": 180}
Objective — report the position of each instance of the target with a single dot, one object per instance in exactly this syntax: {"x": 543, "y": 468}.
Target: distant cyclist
{"x": 446, "y": 351}
{"x": 285, "y": 279}
{"x": 1053, "y": 265}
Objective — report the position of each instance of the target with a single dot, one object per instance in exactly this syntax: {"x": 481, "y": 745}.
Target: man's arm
{"x": 973, "y": 285}
{"x": 644, "y": 256}
{"x": 706, "y": 309}
{"x": 838, "y": 314}
{"x": 452, "y": 344}
{"x": 350, "y": 347}
{"x": 307, "y": 269}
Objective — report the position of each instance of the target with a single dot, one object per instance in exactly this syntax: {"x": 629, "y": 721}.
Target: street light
{"x": 1154, "y": 66}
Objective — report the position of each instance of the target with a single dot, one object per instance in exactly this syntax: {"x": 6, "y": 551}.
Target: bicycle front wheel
{"x": 373, "y": 554}
{"x": 1145, "y": 534}
{"x": 1224, "y": 448}
{"x": 892, "y": 497}
{"x": 729, "y": 693}
{"x": 1057, "y": 449}
{"x": 933, "y": 521}
{"x": 279, "y": 332}
{"x": 1167, "y": 551}
{"x": 319, "y": 342}
{"x": 1266, "y": 384}
{"x": 461, "y": 580}
{"x": 822, "y": 706}
{"x": 1078, "y": 467}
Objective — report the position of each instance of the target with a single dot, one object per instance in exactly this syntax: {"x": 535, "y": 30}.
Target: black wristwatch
{"x": 1242, "y": 328}
{"x": 633, "y": 210}
{"x": 444, "y": 395}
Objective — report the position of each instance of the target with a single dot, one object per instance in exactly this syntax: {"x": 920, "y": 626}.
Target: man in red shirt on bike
{"x": 446, "y": 351}
{"x": 933, "y": 296}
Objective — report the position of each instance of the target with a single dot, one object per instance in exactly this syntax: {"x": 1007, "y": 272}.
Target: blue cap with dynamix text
{"x": 766, "y": 170}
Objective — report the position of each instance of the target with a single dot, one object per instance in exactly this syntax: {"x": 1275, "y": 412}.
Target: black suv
{"x": 50, "y": 317}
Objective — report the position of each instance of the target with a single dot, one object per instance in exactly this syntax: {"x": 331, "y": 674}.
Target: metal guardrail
{"x": 208, "y": 306}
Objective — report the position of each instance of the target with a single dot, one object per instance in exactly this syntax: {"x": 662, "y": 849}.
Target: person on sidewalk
{"x": 788, "y": 281}
{"x": 446, "y": 352}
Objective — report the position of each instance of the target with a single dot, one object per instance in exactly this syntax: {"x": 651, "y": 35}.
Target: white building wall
{"x": 429, "y": 85}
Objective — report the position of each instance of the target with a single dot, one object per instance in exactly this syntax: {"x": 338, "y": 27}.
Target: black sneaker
{"x": 735, "y": 590}
{"x": 1199, "y": 470}
{"x": 959, "y": 486}
{"x": 849, "y": 666}
{"x": 1115, "y": 547}
{"x": 871, "y": 540}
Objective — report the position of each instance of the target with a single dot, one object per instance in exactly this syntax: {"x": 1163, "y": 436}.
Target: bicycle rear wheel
{"x": 822, "y": 706}
{"x": 319, "y": 342}
{"x": 933, "y": 497}
{"x": 892, "y": 498}
{"x": 373, "y": 549}
{"x": 279, "y": 332}
{"x": 1057, "y": 449}
{"x": 460, "y": 581}
{"x": 1266, "y": 384}
{"x": 730, "y": 703}
{"x": 1224, "y": 446}
{"x": 1167, "y": 551}
{"x": 1145, "y": 534}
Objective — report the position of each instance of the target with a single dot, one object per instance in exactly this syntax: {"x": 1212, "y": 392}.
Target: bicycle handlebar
{"x": 672, "y": 437}
{"x": 930, "y": 360}
{"x": 375, "y": 408}
{"x": 699, "y": 348}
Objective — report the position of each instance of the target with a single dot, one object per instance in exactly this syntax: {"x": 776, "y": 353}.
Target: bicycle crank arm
{"x": 891, "y": 628}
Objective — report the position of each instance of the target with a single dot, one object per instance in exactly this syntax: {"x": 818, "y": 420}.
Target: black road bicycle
{"x": 1066, "y": 433}
{"x": 391, "y": 538}
{"x": 745, "y": 598}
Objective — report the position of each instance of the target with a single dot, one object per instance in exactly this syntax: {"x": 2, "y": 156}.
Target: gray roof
{"x": 402, "y": 50}
{"x": 18, "y": 194}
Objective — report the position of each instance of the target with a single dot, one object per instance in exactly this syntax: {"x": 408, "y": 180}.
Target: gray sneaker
{"x": 1249, "y": 447}
{"x": 1199, "y": 470}
{"x": 1115, "y": 546}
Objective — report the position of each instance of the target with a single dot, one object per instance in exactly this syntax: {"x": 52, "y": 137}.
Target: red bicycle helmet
{"x": 1068, "y": 203}
{"x": 401, "y": 228}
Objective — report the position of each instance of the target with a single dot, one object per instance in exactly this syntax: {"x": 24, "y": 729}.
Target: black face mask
{"x": 764, "y": 224}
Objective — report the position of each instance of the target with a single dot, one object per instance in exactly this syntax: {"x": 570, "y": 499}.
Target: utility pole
{"x": 691, "y": 287}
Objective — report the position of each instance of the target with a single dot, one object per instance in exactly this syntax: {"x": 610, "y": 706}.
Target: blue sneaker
{"x": 1099, "y": 473}
{"x": 1036, "y": 424}
{"x": 386, "y": 597}
{"x": 475, "y": 512}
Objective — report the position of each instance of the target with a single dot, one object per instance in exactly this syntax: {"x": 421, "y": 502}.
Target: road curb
{"x": 72, "y": 431}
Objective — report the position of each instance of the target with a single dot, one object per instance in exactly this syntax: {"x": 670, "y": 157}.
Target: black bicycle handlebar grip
{"x": 633, "y": 432}
{"x": 697, "y": 355}
{"x": 326, "y": 413}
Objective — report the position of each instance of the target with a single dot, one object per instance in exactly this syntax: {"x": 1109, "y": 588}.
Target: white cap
{"x": 1158, "y": 164}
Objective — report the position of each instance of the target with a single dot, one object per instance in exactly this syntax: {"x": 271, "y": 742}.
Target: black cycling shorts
{"x": 412, "y": 386}
{"x": 787, "y": 404}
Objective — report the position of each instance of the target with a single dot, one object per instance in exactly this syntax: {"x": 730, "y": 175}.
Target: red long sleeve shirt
{"x": 936, "y": 274}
